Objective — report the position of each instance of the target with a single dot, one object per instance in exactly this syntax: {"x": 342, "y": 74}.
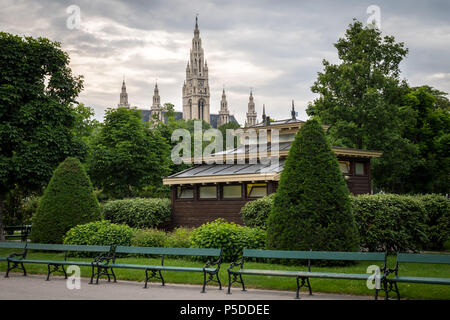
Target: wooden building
{"x": 206, "y": 192}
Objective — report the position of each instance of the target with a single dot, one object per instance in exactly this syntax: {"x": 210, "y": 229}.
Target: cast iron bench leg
{"x": 229, "y": 283}
{"x": 204, "y": 282}
{"x": 242, "y": 281}
{"x": 218, "y": 280}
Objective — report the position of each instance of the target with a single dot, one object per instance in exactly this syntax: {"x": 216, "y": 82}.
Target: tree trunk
{"x": 2, "y": 207}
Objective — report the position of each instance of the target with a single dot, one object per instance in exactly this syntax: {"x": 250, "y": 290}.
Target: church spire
{"x": 264, "y": 113}
{"x": 156, "y": 110}
{"x": 196, "y": 95}
{"x": 251, "y": 113}
{"x": 293, "y": 113}
{"x": 123, "y": 102}
{"x": 224, "y": 114}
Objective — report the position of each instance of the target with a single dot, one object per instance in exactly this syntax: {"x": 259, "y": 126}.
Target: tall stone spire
{"x": 293, "y": 113}
{"x": 264, "y": 113}
{"x": 123, "y": 103}
{"x": 156, "y": 106}
{"x": 251, "y": 113}
{"x": 196, "y": 95}
{"x": 224, "y": 114}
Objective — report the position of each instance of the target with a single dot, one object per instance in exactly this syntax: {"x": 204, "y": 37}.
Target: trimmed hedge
{"x": 138, "y": 212}
{"x": 255, "y": 213}
{"x": 395, "y": 223}
{"x": 231, "y": 237}
{"x": 149, "y": 238}
{"x": 68, "y": 200}
{"x": 102, "y": 233}
{"x": 438, "y": 220}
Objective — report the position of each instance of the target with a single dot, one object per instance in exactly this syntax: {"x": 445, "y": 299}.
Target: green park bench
{"x": 10, "y": 232}
{"x": 17, "y": 261}
{"x": 415, "y": 258}
{"x": 304, "y": 276}
{"x": 210, "y": 269}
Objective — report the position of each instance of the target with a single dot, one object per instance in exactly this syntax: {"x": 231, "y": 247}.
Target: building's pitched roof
{"x": 213, "y": 173}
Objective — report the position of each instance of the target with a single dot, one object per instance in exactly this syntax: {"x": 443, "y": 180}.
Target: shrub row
{"x": 138, "y": 212}
{"x": 386, "y": 222}
{"x": 394, "y": 223}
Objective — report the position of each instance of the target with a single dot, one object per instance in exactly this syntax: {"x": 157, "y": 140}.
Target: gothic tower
{"x": 251, "y": 114}
{"x": 196, "y": 87}
{"x": 156, "y": 106}
{"x": 123, "y": 103}
{"x": 224, "y": 114}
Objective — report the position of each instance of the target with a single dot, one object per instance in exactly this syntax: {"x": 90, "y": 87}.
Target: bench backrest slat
{"x": 68, "y": 247}
{"x": 12, "y": 245}
{"x": 315, "y": 255}
{"x": 423, "y": 258}
{"x": 169, "y": 251}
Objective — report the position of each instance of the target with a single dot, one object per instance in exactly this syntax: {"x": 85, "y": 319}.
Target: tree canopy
{"x": 368, "y": 106}
{"x": 127, "y": 155}
{"x": 37, "y": 91}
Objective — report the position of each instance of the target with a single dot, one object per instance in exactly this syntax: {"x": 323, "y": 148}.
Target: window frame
{"x": 207, "y": 199}
{"x": 252, "y": 198}
{"x": 229, "y": 185}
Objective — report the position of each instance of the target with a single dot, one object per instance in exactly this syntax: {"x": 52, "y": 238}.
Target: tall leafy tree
{"x": 37, "y": 90}
{"x": 127, "y": 155}
{"x": 312, "y": 208}
{"x": 360, "y": 96}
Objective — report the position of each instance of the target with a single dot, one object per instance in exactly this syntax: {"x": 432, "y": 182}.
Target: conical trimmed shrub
{"x": 68, "y": 201}
{"x": 312, "y": 208}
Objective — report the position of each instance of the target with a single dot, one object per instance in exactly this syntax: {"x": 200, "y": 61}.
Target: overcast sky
{"x": 275, "y": 47}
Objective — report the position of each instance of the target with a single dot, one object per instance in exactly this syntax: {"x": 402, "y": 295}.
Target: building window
{"x": 359, "y": 169}
{"x": 256, "y": 190}
{"x": 208, "y": 192}
{"x": 232, "y": 192}
{"x": 345, "y": 166}
{"x": 185, "y": 192}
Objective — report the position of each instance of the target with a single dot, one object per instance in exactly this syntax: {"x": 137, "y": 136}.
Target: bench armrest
{"x": 102, "y": 260}
{"x": 213, "y": 263}
{"x": 15, "y": 254}
{"x": 236, "y": 263}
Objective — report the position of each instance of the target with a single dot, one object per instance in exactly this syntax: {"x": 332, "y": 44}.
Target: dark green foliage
{"x": 149, "y": 238}
{"x": 37, "y": 92}
{"x": 390, "y": 222}
{"x": 19, "y": 208}
{"x": 312, "y": 208}
{"x": 138, "y": 212}
{"x": 437, "y": 220}
{"x": 102, "y": 233}
{"x": 179, "y": 238}
{"x": 231, "y": 237}
{"x": 255, "y": 213}
{"x": 127, "y": 156}
{"x": 68, "y": 200}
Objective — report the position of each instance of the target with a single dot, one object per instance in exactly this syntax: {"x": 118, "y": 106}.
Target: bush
{"x": 149, "y": 238}
{"x": 389, "y": 222}
{"x": 68, "y": 200}
{"x": 102, "y": 233}
{"x": 231, "y": 237}
{"x": 179, "y": 238}
{"x": 438, "y": 220}
{"x": 255, "y": 213}
{"x": 312, "y": 208}
{"x": 138, "y": 212}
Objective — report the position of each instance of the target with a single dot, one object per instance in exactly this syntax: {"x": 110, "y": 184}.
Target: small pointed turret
{"x": 293, "y": 113}
{"x": 251, "y": 113}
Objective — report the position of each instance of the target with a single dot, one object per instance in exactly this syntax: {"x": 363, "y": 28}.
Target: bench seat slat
{"x": 159, "y": 267}
{"x": 59, "y": 262}
{"x": 206, "y": 252}
{"x": 12, "y": 245}
{"x": 424, "y": 258}
{"x": 288, "y": 273}
{"x": 314, "y": 255}
{"x": 422, "y": 280}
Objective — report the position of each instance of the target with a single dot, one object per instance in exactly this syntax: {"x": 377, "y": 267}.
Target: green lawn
{"x": 410, "y": 291}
